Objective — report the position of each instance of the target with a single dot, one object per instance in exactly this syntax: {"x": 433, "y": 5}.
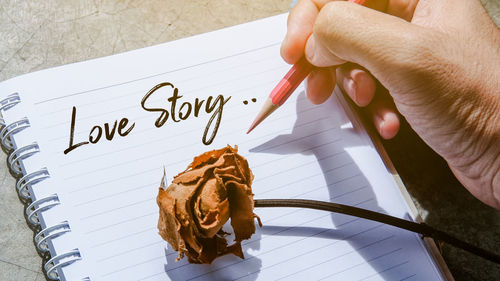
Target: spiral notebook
{"x": 90, "y": 140}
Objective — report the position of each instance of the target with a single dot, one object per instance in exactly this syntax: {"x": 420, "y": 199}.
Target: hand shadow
{"x": 228, "y": 267}
{"x": 305, "y": 139}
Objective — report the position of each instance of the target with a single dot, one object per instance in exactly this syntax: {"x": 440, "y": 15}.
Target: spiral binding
{"x": 35, "y": 208}
{"x": 9, "y": 101}
{"x": 39, "y": 205}
{"x": 10, "y": 129}
{"x": 29, "y": 179}
{"x": 59, "y": 261}
{"x": 48, "y": 233}
{"x": 14, "y": 159}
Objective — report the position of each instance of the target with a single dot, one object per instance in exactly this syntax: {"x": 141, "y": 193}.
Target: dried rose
{"x": 200, "y": 200}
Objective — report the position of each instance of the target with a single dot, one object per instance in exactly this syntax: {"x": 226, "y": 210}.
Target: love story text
{"x": 175, "y": 109}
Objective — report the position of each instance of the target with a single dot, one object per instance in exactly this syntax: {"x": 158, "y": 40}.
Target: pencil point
{"x": 265, "y": 111}
{"x": 254, "y": 124}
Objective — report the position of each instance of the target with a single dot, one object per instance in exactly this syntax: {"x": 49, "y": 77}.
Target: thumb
{"x": 380, "y": 42}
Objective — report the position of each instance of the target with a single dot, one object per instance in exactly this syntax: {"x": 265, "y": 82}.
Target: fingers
{"x": 299, "y": 28}
{"x": 347, "y": 32}
{"x": 401, "y": 8}
{"x": 357, "y": 83}
{"x": 303, "y": 15}
{"x": 384, "y": 114}
{"x": 380, "y": 107}
{"x": 320, "y": 84}
{"x": 386, "y": 121}
{"x": 362, "y": 88}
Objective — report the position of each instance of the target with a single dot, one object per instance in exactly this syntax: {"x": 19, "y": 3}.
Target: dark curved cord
{"x": 421, "y": 228}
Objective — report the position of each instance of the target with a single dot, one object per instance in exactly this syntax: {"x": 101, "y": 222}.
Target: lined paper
{"x": 108, "y": 190}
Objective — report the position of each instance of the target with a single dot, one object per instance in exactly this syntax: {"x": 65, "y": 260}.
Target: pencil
{"x": 286, "y": 86}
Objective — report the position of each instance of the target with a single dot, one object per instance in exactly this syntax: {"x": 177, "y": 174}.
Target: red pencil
{"x": 286, "y": 86}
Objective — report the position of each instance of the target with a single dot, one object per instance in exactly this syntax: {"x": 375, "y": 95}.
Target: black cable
{"x": 421, "y": 228}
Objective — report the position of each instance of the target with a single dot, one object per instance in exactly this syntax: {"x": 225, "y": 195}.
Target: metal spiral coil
{"x": 42, "y": 238}
{"x": 23, "y": 186}
{"x": 9, "y": 101}
{"x": 29, "y": 179}
{"x": 40, "y": 205}
{"x": 10, "y": 129}
{"x": 58, "y": 261}
{"x": 14, "y": 159}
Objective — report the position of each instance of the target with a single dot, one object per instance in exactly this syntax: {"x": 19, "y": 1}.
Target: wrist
{"x": 483, "y": 184}
{"x": 477, "y": 163}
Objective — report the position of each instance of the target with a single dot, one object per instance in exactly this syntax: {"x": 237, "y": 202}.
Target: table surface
{"x": 42, "y": 34}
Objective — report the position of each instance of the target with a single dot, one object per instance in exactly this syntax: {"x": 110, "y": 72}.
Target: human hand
{"x": 437, "y": 59}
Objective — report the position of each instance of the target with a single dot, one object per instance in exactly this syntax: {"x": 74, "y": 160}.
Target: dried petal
{"x": 215, "y": 187}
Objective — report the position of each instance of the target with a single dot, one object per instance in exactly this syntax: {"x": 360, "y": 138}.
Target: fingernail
{"x": 379, "y": 123}
{"x": 310, "y": 48}
{"x": 350, "y": 88}
{"x": 360, "y": 78}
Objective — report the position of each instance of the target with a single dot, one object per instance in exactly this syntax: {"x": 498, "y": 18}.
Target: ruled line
{"x": 115, "y": 255}
{"x": 127, "y": 95}
{"x": 159, "y": 154}
{"x": 116, "y": 271}
{"x": 367, "y": 261}
{"x": 303, "y": 150}
{"x": 288, "y": 184}
{"x": 116, "y": 194}
{"x": 134, "y": 265}
{"x": 135, "y": 105}
{"x": 186, "y": 132}
{"x": 311, "y": 176}
{"x": 247, "y": 242}
{"x": 158, "y": 74}
{"x": 128, "y": 235}
{"x": 110, "y": 181}
{"x": 387, "y": 269}
{"x": 307, "y": 164}
{"x": 408, "y": 277}
{"x": 288, "y": 244}
{"x": 328, "y": 260}
{"x": 152, "y": 199}
{"x": 137, "y": 118}
{"x": 121, "y": 222}
{"x": 299, "y": 139}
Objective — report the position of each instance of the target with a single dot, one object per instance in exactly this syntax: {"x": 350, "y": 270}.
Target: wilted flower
{"x": 200, "y": 200}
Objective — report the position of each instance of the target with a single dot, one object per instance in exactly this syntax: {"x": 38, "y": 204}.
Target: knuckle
{"x": 327, "y": 19}
{"x": 418, "y": 50}
{"x": 332, "y": 21}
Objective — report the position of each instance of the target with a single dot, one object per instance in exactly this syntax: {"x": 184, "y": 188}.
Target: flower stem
{"x": 422, "y": 228}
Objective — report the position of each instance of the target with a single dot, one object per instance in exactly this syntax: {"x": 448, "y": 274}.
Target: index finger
{"x": 299, "y": 27}
{"x": 303, "y": 15}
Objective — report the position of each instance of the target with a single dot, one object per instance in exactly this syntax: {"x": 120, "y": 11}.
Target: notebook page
{"x": 108, "y": 188}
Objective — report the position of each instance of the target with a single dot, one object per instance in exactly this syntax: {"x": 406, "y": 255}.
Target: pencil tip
{"x": 252, "y": 126}
{"x": 266, "y": 109}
